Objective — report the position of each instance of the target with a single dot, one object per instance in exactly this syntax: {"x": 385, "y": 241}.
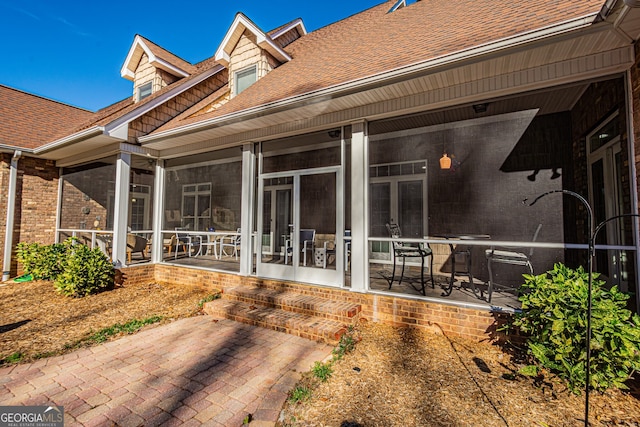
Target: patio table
{"x": 464, "y": 250}
{"x": 213, "y": 238}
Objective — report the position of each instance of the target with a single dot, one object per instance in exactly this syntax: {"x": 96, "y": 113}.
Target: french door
{"x": 606, "y": 199}
{"x": 401, "y": 200}
{"x": 300, "y": 215}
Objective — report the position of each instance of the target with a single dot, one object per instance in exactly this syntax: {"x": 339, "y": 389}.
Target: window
{"x": 245, "y": 78}
{"x": 196, "y": 206}
{"x": 144, "y": 91}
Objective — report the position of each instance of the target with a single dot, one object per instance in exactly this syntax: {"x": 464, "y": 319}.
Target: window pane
{"x": 245, "y": 78}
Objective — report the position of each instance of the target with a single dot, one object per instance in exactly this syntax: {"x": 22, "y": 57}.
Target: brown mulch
{"x": 409, "y": 377}
{"x": 36, "y": 321}
{"x": 394, "y": 376}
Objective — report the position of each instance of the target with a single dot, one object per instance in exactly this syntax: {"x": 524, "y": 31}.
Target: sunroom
{"x": 313, "y": 207}
{"x": 408, "y": 183}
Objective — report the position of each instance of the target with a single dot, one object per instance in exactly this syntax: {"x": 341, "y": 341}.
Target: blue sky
{"x": 72, "y": 52}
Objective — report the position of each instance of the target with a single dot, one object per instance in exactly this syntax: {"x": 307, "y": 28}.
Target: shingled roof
{"x": 376, "y": 41}
{"x": 29, "y": 121}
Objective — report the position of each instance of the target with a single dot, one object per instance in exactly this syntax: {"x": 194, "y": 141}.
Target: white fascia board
{"x": 71, "y": 139}
{"x": 11, "y": 149}
{"x": 477, "y": 51}
{"x": 297, "y": 23}
{"x": 159, "y": 63}
{"x": 261, "y": 39}
{"x": 125, "y": 71}
{"x": 113, "y": 126}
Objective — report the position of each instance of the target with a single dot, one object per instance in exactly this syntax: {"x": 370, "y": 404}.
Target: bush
{"x": 42, "y": 261}
{"x": 554, "y": 316}
{"x": 85, "y": 271}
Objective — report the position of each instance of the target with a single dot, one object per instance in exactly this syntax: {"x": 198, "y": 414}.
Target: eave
{"x": 238, "y": 121}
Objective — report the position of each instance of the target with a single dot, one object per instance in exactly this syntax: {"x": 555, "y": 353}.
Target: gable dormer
{"x": 249, "y": 53}
{"x": 151, "y": 68}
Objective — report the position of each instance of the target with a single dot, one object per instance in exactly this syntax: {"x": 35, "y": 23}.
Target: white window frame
{"x": 241, "y": 71}
{"x": 139, "y": 91}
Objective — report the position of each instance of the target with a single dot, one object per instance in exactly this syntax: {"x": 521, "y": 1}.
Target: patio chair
{"x": 307, "y": 244}
{"x": 233, "y": 242}
{"x": 136, "y": 244}
{"x": 405, "y": 250}
{"x": 328, "y": 250}
{"x": 186, "y": 241}
{"x": 508, "y": 256}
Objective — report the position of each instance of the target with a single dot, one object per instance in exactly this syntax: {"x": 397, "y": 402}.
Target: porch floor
{"x": 379, "y": 275}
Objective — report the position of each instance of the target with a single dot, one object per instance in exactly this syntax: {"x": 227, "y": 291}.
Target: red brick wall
{"x": 36, "y": 202}
{"x": 440, "y": 318}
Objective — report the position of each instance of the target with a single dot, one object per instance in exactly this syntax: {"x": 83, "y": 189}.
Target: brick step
{"x": 289, "y": 300}
{"x": 298, "y": 324}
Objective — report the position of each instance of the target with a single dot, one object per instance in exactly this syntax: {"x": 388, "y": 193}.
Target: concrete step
{"x": 298, "y": 324}
{"x": 289, "y": 300}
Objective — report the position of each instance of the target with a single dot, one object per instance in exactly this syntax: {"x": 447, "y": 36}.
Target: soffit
{"x": 541, "y": 62}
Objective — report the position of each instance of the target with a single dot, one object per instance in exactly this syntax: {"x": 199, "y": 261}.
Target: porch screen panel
{"x": 318, "y": 220}
{"x": 87, "y": 196}
{"x": 410, "y": 209}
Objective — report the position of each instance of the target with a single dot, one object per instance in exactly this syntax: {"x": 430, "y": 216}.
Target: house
{"x": 282, "y": 158}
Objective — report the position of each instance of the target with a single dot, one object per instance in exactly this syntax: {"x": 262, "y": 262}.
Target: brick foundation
{"x": 464, "y": 322}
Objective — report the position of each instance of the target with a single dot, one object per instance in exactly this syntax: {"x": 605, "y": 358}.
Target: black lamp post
{"x": 590, "y": 270}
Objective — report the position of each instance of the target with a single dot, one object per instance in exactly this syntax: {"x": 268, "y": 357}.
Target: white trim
{"x": 297, "y": 23}
{"x": 262, "y": 40}
{"x": 70, "y": 139}
{"x": 129, "y": 74}
{"x": 163, "y": 98}
{"x": 402, "y": 72}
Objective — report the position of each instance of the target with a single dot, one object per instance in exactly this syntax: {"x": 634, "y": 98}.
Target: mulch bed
{"x": 394, "y": 376}
{"x": 36, "y": 321}
{"x": 409, "y": 377}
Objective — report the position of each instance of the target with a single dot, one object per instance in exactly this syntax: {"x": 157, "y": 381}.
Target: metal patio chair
{"x": 405, "y": 250}
{"x": 508, "y": 256}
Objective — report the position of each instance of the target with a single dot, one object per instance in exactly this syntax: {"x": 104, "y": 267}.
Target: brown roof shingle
{"x": 374, "y": 41}
{"x": 28, "y": 121}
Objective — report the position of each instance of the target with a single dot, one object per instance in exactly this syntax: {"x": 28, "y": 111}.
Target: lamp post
{"x": 591, "y": 235}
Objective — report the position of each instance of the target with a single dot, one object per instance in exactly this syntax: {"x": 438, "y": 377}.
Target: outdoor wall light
{"x": 480, "y": 108}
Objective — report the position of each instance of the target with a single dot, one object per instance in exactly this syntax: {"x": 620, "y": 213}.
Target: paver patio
{"x": 189, "y": 372}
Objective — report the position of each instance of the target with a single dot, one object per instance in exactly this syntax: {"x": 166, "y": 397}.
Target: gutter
{"x": 71, "y": 139}
{"x": 353, "y": 86}
{"x": 11, "y": 207}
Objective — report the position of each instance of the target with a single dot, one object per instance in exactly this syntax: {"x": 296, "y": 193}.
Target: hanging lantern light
{"x": 445, "y": 161}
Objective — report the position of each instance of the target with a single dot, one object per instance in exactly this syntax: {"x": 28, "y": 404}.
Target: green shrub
{"x": 554, "y": 316}
{"x": 42, "y": 261}
{"x": 84, "y": 271}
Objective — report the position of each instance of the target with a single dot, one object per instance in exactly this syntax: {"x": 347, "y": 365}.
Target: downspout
{"x": 11, "y": 208}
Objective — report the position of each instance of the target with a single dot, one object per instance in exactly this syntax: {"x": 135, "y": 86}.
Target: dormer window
{"x": 245, "y": 78}
{"x": 144, "y": 90}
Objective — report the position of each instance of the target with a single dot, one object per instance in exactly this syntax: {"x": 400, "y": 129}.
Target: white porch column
{"x": 121, "y": 210}
{"x": 158, "y": 209}
{"x": 11, "y": 208}
{"x": 247, "y": 208}
{"x": 359, "y": 211}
